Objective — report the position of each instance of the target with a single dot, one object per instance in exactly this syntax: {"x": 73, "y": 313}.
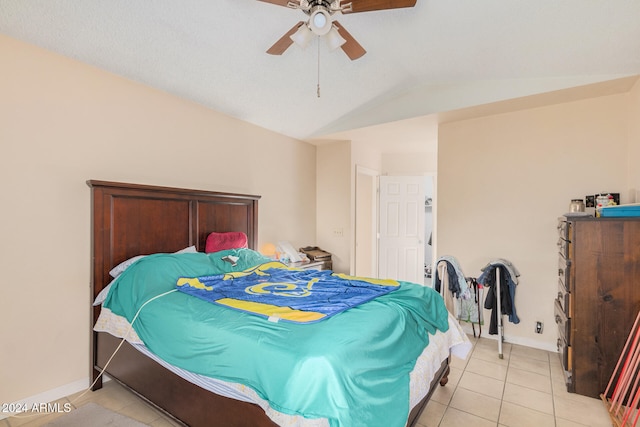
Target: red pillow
{"x": 221, "y": 241}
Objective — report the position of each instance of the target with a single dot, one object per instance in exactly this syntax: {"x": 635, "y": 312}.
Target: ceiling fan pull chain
{"x": 318, "y": 90}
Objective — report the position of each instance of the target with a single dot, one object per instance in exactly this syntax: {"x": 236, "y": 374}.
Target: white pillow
{"x": 103, "y": 294}
{"x": 189, "y": 250}
{"x": 118, "y": 269}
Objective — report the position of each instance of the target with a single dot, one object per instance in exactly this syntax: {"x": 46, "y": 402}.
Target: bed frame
{"x": 132, "y": 219}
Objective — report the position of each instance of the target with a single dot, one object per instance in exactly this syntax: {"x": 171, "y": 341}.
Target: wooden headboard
{"x": 132, "y": 219}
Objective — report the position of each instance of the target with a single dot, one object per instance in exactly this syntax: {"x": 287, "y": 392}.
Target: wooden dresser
{"x": 598, "y": 297}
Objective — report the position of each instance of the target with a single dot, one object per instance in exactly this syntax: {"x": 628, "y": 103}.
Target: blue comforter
{"x": 279, "y": 293}
{"x": 352, "y": 368}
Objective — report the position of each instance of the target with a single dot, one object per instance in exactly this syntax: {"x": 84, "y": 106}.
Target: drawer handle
{"x": 560, "y": 272}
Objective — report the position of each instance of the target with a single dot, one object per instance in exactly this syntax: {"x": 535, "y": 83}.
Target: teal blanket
{"x": 352, "y": 368}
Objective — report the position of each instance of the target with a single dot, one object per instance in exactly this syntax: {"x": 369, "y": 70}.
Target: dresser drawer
{"x": 564, "y": 350}
{"x": 563, "y": 229}
{"x": 564, "y": 272}
{"x": 563, "y": 248}
{"x": 564, "y": 298}
{"x": 563, "y": 322}
{"x": 565, "y": 237}
{"x": 566, "y": 360}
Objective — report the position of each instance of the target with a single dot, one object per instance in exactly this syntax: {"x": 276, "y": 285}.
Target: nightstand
{"x": 312, "y": 265}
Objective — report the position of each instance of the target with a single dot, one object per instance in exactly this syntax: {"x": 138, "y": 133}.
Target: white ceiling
{"x": 441, "y": 55}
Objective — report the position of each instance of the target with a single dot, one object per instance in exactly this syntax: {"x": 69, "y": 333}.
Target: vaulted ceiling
{"x": 440, "y": 55}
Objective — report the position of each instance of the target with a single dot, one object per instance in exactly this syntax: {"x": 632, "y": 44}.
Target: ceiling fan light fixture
{"x": 334, "y": 39}
{"x": 303, "y": 36}
{"x": 320, "y": 21}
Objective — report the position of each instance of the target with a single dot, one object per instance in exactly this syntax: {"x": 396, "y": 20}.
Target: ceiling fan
{"x": 322, "y": 23}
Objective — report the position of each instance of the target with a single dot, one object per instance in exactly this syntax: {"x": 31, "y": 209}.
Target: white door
{"x": 402, "y": 228}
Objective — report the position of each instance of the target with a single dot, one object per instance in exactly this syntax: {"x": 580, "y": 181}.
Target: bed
{"x": 129, "y": 220}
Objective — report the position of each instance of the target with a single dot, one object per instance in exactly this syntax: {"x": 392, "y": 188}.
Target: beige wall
{"x": 363, "y": 155}
{"x": 407, "y": 164}
{"x": 333, "y": 189}
{"x": 634, "y": 143}
{"x": 503, "y": 180}
{"x": 336, "y": 190}
{"x": 62, "y": 123}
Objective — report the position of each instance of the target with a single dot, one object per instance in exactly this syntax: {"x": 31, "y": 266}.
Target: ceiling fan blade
{"x": 284, "y": 42}
{"x": 351, "y": 47}
{"x": 278, "y": 2}
{"x": 370, "y": 5}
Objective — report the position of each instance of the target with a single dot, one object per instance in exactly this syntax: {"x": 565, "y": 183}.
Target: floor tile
{"x": 561, "y": 422}
{"x": 111, "y": 396}
{"x": 443, "y": 395}
{"x": 476, "y": 404}
{"x": 481, "y": 384}
{"x": 165, "y": 422}
{"x": 558, "y": 383}
{"x": 488, "y": 369}
{"x": 32, "y": 419}
{"x": 489, "y": 355}
{"x": 532, "y": 365}
{"x": 493, "y": 344}
{"x": 24, "y": 420}
{"x": 529, "y": 379}
{"x": 532, "y": 353}
{"x": 455, "y": 418}
{"x": 532, "y": 399}
{"x": 432, "y": 414}
{"x": 140, "y": 411}
{"x": 587, "y": 411}
{"x": 456, "y": 362}
{"x": 513, "y": 415}
{"x": 556, "y": 364}
{"x": 454, "y": 377}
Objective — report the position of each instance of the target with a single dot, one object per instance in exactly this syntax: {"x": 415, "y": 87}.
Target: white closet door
{"x": 402, "y": 228}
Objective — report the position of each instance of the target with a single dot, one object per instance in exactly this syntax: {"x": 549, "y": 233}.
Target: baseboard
{"x": 532, "y": 343}
{"x": 51, "y": 395}
{"x": 466, "y": 327}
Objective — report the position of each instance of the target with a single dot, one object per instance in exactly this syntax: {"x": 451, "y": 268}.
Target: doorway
{"x": 372, "y": 256}
{"x": 402, "y": 228}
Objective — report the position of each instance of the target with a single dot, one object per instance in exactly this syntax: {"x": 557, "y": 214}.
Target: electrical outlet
{"x": 539, "y": 327}
{"x": 338, "y": 232}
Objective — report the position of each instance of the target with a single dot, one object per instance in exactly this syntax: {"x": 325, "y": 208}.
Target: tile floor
{"x": 523, "y": 389}
{"x": 111, "y": 396}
